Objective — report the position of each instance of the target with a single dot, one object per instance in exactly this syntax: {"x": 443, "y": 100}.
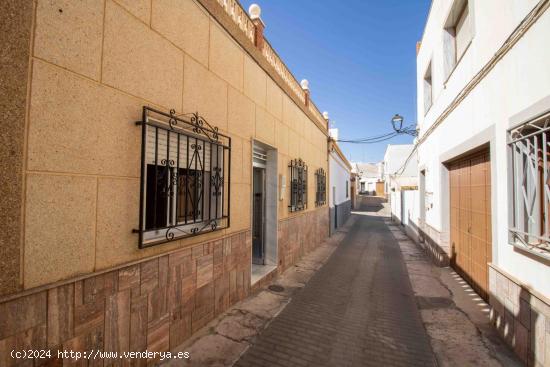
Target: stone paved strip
{"x": 357, "y": 310}
{"x": 222, "y": 341}
{"x": 456, "y": 318}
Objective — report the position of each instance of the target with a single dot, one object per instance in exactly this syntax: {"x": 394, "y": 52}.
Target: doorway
{"x": 264, "y": 210}
{"x": 422, "y": 203}
{"x": 471, "y": 243}
{"x": 258, "y": 216}
{"x": 403, "y": 211}
{"x": 380, "y": 189}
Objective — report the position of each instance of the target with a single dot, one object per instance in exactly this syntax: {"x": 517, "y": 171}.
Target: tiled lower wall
{"x": 297, "y": 236}
{"x": 340, "y": 213}
{"x": 521, "y": 317}
{"x": 154, "y": 305}
{"x": 300, "y": 234}
{"x": 433, "y": 243}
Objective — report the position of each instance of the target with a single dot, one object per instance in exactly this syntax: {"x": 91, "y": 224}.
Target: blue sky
{"x": 359, "y": 57}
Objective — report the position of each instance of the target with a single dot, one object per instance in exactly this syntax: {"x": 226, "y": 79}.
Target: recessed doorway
{"x": 258, "y": 216}
{"x": 264, "y": 211}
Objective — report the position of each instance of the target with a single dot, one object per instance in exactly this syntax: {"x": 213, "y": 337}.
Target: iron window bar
{"x": 185, "y": 177}
{"x": 298, "y": 185}
{"x": 529, "y": 146}
{"x": 321, "y": 184}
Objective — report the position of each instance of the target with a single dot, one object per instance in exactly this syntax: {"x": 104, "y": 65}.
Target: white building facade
{"x": 483, "y": 84}
{"x": 401, "y": 171}
{"x": 368, "y": 175}
{"x": 339, "y": 187}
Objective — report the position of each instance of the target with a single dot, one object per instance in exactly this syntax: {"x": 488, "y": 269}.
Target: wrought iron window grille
{"x": 185, "y": 177}
{"x": 529, "y": 147}
{"x": 298, "y": 185}
{"x": 321, "y": 185}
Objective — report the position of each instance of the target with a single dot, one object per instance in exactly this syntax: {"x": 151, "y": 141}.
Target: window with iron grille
{"x": 321, "y": 184}
{"x": 298, "y": 185}
{"x": 529, "y": 175}
{"x": 185, "y": 176}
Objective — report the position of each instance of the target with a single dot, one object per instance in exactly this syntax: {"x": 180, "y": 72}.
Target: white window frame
{"x": 427, "y": 83}
{"x": 451, "y": 55}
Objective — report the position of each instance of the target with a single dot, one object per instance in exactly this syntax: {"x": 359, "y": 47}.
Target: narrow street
{"x": 359, "y": 309}
{"x": 208, "y": 183}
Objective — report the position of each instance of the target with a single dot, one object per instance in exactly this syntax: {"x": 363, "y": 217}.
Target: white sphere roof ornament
{"x": 325, "y": 115}
{"x": 254, "y": 11}
{"x": 305, "y": 84}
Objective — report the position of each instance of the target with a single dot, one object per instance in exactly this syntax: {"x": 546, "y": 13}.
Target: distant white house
{"x": 339, "y": 187}
{"x": 368, "y": 175}
{"x": 396, "y": 173}
{"x": 402, "y": 180}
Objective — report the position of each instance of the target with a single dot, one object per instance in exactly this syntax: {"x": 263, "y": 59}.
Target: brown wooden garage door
{"x": 470, "y": 181}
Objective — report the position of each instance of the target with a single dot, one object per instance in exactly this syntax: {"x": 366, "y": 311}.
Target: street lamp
{"x": 397, "y": 123}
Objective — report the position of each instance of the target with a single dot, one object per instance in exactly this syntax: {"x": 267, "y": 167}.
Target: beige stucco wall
{"x": 94, "y": 64}
{"x": 15, "y": 40}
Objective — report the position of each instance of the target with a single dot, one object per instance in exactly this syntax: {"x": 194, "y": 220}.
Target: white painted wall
{"x": 368, "y": 175}
{"x": 517, "y": 82}
{"x": 339, "y": 176}
{"x": 395, "y": 160}
{"x": 406, "y": 202}
{"x": 369, "y": 183}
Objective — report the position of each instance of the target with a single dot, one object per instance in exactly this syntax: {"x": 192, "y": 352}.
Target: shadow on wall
{"x": 519, "y": 326}
{"x": 430, "y": 246}
{"x": 521, "y": 318}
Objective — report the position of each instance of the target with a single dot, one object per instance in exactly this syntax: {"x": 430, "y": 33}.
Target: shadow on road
{"x": 371, "y": 203}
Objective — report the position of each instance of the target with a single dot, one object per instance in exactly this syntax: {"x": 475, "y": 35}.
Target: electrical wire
{"x": 380, "y": 138}
{"x": 510, "y": 42}
{"x": 367, "y": 139}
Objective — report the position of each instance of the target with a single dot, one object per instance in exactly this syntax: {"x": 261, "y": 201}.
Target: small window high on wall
{"x": 428, "y": 93}
{"x": 458, "y": 34}
{"x": 184, "y": 179}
